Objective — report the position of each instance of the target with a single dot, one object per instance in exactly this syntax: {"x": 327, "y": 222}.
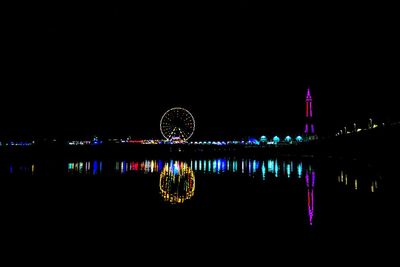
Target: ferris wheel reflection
{"x": 177, "y": 182}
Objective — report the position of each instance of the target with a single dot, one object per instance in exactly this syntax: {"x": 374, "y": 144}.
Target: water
{"x": 214, "y": 199}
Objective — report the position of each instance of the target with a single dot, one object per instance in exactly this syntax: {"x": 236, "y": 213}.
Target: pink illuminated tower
{"x": 310, "y": 194}
{"x": 309, "y": 128}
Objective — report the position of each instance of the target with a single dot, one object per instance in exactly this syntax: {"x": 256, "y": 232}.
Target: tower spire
{"x": 309, "y": 127}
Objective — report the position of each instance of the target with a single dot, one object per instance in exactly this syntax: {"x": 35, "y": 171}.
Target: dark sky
{"x": 241, "y": 69}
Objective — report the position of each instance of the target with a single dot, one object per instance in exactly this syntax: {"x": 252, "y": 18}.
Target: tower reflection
{"x": 177, "y": 182}
{"x": 310, "y": 194}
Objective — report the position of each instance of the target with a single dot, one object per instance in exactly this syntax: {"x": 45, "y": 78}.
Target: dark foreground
{"x": 250, "y": 204}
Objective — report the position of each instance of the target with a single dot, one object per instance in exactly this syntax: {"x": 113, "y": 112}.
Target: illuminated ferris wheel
{"x": 177, "y": 124}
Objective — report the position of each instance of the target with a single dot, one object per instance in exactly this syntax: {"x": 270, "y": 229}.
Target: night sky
{"x": 241, "y": 70}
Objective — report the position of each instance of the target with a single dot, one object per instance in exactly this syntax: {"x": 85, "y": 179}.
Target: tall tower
{"x": 309, "y": 128}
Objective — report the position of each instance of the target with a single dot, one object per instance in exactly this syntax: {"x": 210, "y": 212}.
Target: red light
{"x": 307, "y": 110}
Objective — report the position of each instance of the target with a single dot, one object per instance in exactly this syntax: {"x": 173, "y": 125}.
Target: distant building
{"x": 263, "y": 139}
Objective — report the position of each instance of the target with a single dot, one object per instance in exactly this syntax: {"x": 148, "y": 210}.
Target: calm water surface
{"x": 211, "y": 199}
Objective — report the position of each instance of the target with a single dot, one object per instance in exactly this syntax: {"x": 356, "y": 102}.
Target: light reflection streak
{"x": 367, "y": 182}
{"x": 250, "y": 167}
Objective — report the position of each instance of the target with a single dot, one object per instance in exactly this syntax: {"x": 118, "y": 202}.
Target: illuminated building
{"x": 288, "y": 139}
{"x": 263, "y": 139}
{"x": 253, "y": 141}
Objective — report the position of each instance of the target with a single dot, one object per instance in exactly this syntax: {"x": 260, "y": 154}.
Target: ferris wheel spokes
{"x": 177, "y": 124}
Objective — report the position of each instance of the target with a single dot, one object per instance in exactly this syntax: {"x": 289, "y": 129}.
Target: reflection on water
{"x": 177, "y": 178}
{"x": 251, "y": 167}
{"x": 256, "y": 168}
{"x": 22, "y": 168}
{"x": 85, "y": 167}
{"x": 177, "y": 182}
{"x": 356, "y": 181}
{"x": 310, "y": 194}
{"x": 259, "y": 169}
{"x": 147, "y": 166}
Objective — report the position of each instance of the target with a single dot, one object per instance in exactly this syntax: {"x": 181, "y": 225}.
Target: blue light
{"x": 313, "y": 178}
{"x": 288, "y": 139}
{"x": 276, "y": 139}
{"x": 253, "y": 141}
{"x": 176, "y": 168}
{"x": 160, "y": 164}
{"x": 223, "y": 165}
{"x": 123, "y": 167}
{"x": 299, "y": 139}
{"x": 95, "y": 167}
{"x": 248, "y": 163}
{"x": 299, "y": 169}
{"x": 263, "y": 171}
{"x": 271, "y": 166}
{"x": 234, "y": 166}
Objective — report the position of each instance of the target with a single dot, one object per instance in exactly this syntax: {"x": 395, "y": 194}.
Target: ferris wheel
{"x": 177, "y": 124}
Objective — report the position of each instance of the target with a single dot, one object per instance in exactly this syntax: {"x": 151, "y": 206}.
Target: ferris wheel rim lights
{"x": 185, "y": 138}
